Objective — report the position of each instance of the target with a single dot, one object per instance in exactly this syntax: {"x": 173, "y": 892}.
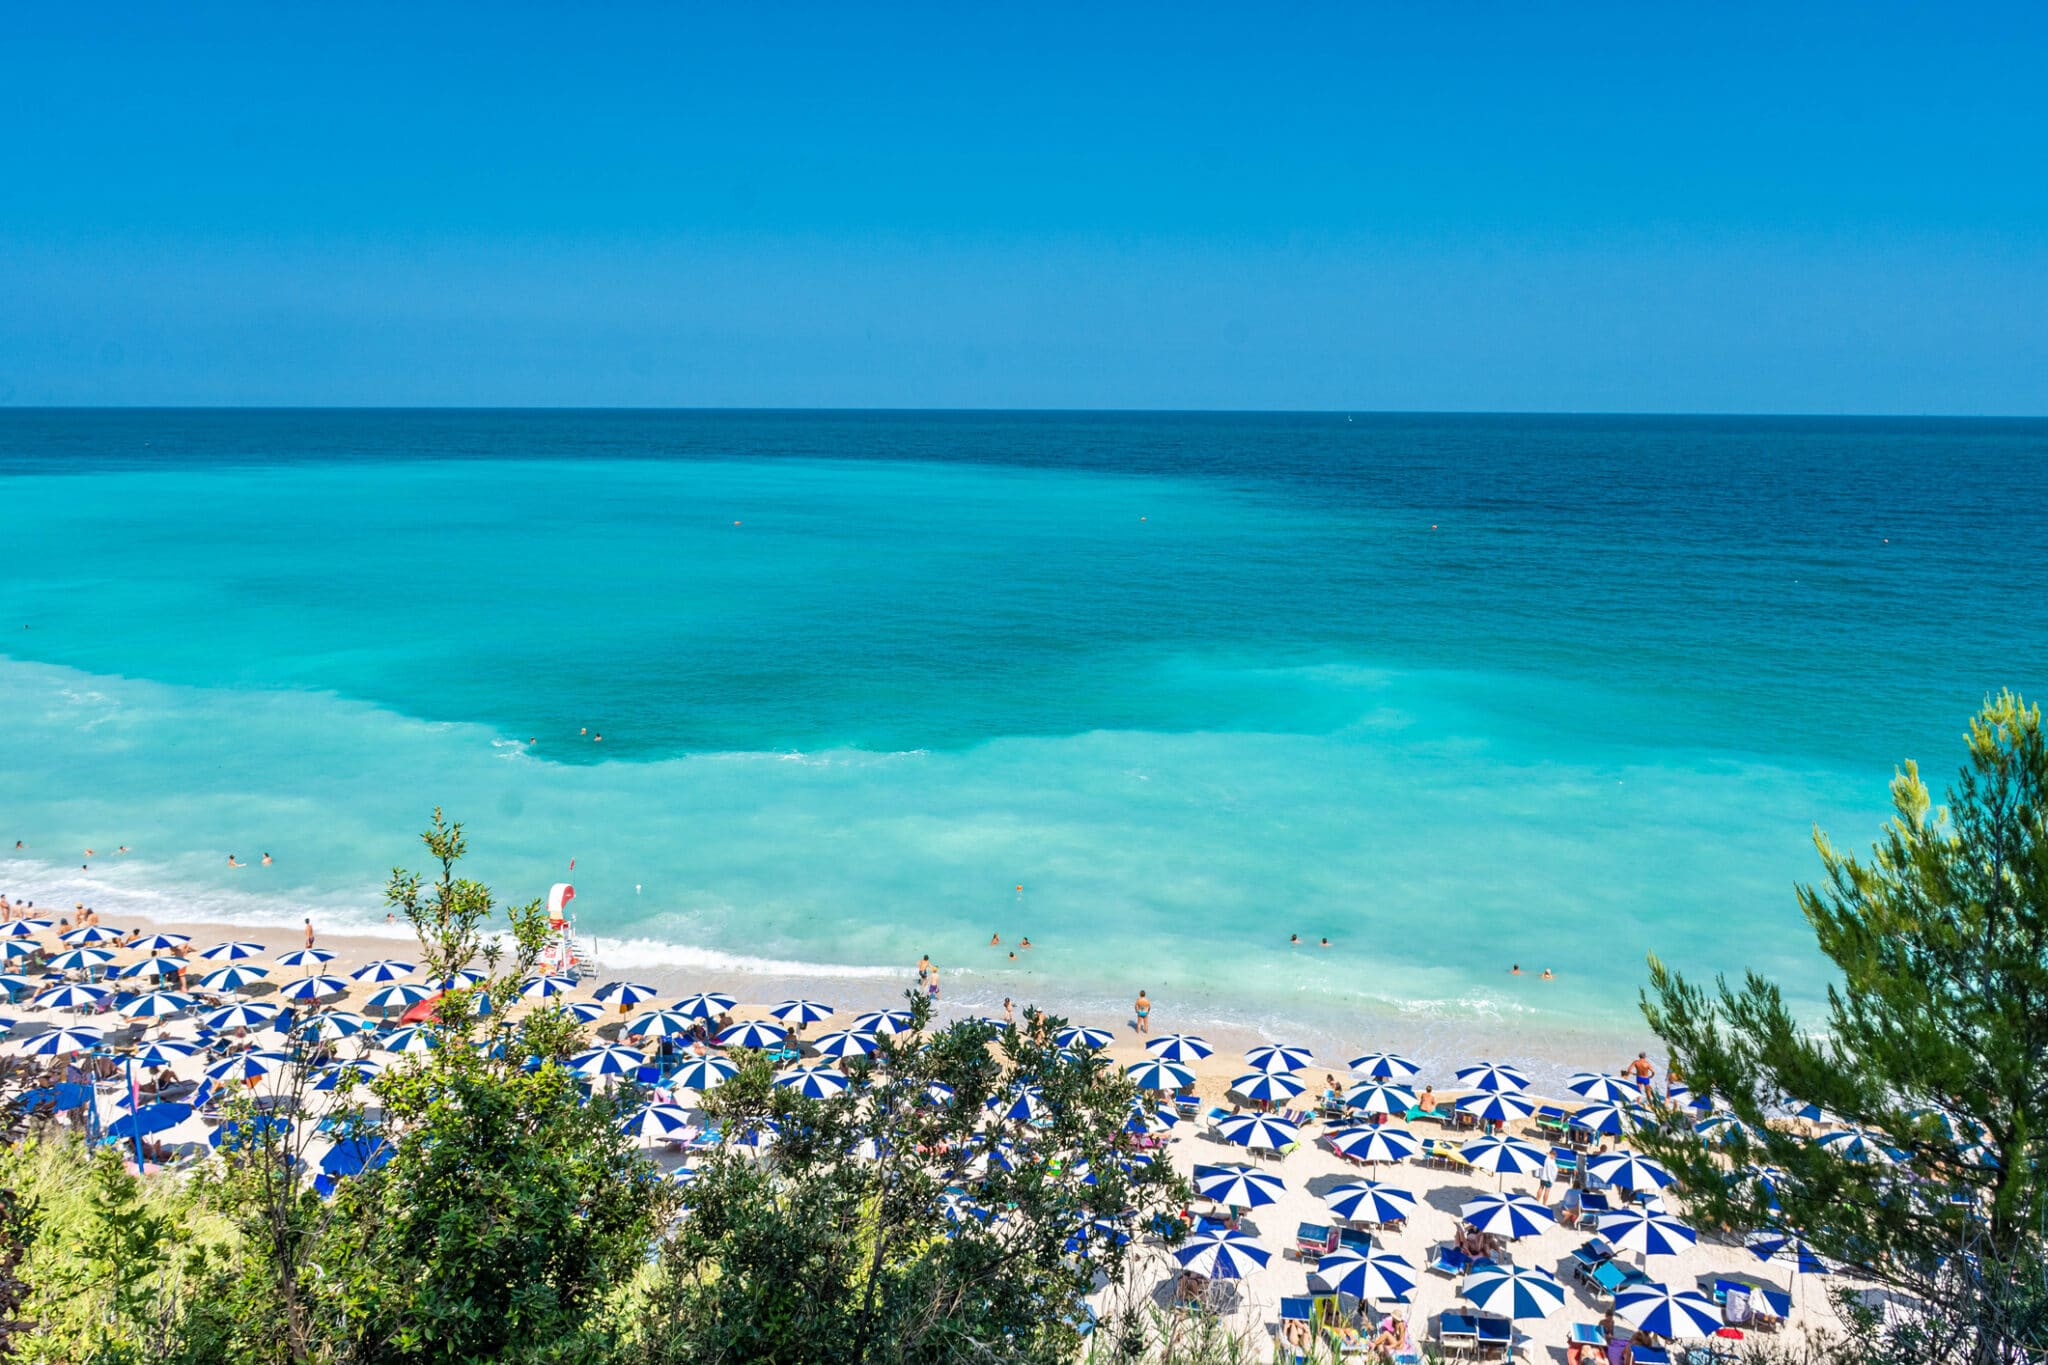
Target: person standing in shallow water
{"x": 1144, "y": 1012}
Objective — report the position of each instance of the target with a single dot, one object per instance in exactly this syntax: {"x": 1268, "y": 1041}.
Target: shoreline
{"x": 1548, "y": 1053}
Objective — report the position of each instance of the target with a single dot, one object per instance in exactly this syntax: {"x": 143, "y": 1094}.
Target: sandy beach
{"x": 1308, "y": 1173}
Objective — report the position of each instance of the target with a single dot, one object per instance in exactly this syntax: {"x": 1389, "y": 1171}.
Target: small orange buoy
{"x": 1020, "y": 887}
{"x": 735, "y": 523}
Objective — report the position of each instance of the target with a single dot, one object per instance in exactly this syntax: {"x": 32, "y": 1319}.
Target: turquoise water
{"x": 1454, "y": 692}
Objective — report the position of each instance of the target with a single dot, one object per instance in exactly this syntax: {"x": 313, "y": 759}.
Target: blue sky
{"x": 1823, "y": 208}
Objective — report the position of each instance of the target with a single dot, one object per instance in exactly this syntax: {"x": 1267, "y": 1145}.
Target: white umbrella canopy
{"x": 1504, "y": 1155}
{"x": 235, "y": 950}
{"x": 1385, "y": 1066}
{"x": 402, "y": 996}
{"x": 1371, "y": 1201}
{"x": 59, "y": 1042}
{"x": 1222, "y": 1256}
{"x": 704, "y": 1073}
{"x": 800, "y": 1011}
{"x": 1514, "y": 1291}
{"x": 1375, "y": 1144}
{"x": 1380, "y": 1097}
{"x": 383, "y": 969}
{"x": 845, "y": 1043}
{"x": 664, "y": 1122}
{"x": 1268, "y": 1088}
{"x": 1600, "y": 1088}
{"x": 1508, "y": 1215}
{"x": 1241, "y": 1186}
{"x": 1368, "y": 1273}
{"x": 308, "y": 958}
{"x": 658, "y": 1024}
{"x": 1646, "y": 1232}
{"x": 1629, "y": 1171}
{"x": 1258, "y": 1132}
{"x": 80, "y": 959}
{"x": 1493, "y": 1078}
{"x": 705, "y": 1004}
{"x": 160, "y": 943}
{"x": 1667, "y": 1312}
{"x": 249, "y": 1014}
{"x": 1274, "y": 1058}
{"x": 1179, "y": 1047}
{"x": 233, "y": 978}
{"x": 313, "y": 987}
{"x": 1159, "y": 1075}
{"x": 157, "y": 1005}
{"x": 612, "y": 1060}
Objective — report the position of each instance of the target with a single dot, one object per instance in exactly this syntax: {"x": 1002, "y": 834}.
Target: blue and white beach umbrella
{"x": 233, "y": 978}
{"x": 22, "y": 928}
{"x": 236, "y": 1134}
{"x": 1495, "y": 1106}
{"x": 234, "y": 950}
{"x": 164, "y": 1052}
{"x": 12, "y": 982}
{"x": 331, "y": 1026}
{"x": 248, "y": 1014}
{"x": 309, "y": 958}
{"x": 845, "y": 1043}
{"x": 1628, "y": 1171}
{"x": 1144, "y": 1118}
{"x": 1611, "y": 1119}
{"x": 411, "y": 1038}
{"x": 704, "y": 1005}
{"x": 1385, "y": 1067}
{"x": 1504, "y": 1155}
{"x": 150, "y": 1118}
{"x": 1179, "y": 1047}
{"x": 1666, "y": 1312}
{"x": 458, "y": 981}
{"x": 583, "y": 1011}
{"x": 663, "y": 1122}
{"x": 383, "y": 969}
{"x": 246, "y": 1066}
{"x": 80, "y": 959}
{"x": 1022, "y": 1105}
{"x": 703, "y": 1073}
{"x": 610, "y": 1060}
{"x": 90, "y": 934}
{"x": 1493, "y": 1079}
{"x": 1375, "y": 1144}
{"x": 1794, "y": 1108}
{"x": 752, "y": 1034}
{"x": 71, "y": 997}
{"x": 1859, "y": 1144}
{"x": 1647, "y": 1233}
{"x": 1513, "y": 1291}
{"x": 1277, "y": 1088}
{"x": 153, "y": 969}
{"x": 1239, "y": 1186}
{"x": 345, "y": 1075}
{"x": 313, "y": 987}
{"x": 1090, "y": 1039}
{"x": 799, "y": 1012}
{"x": 402, "y": 996}
{"x": 1258, "y": 1132}
{"x": 1159, "y": 1075}
{"x": 157, "y": 1005}
{"x": 1222, "y": 1256}
{"x": 1725, "y": 1128}
{"x": 882, "y": 1023}
{"x": 1371, "y": 1201}
{"x": 1771, "y": 1243}
{"x": 13, "y": 948}
{"x": 1600, "y": 1088}
{"x": 542, "y": 987}
{"x": 627, "y": 993}
{"x": 1380, "y": 1097}
{"x": 659, "y": 1024}
{"x": 1369, "y": 1273}
{"x": 160, "y": 943}
{"x": 816, "y": 1082}
{"x": 1508, "y": 1215}
{"x": 1277, "y": 1057}
{"x": 60, "y": 1041}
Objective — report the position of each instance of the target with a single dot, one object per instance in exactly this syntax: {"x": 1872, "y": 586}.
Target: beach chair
{"x": 1436, "y": 1115}
{"x": 1357, "y": 1239}
{"x": 1314, "y": 1240}
{"x": 1496, "y": 1337}
{"x": 1449, "y": 1260}
{"x": 1589, "y": 1257}
{"x": 1567, "y": 1162}
{"x": 1450, "y": 1155}
{"x": 1188, "y": 1106}
{"x": 1552, "y": 1120}
{"x": 1458, "y": 1334}
{"x": 1593, "y": 1203}
{"x": 1291, "y": 1310}
{"x": 1652, "y": 1355}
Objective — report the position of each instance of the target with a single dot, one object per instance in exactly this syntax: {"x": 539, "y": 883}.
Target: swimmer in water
{"x": 1294, "y": 938}
{"x": 597, "y": 739}
{"x": 1515, "y": 970}
{"x": 266, "y": 860}
{"x": 122, "y": 849}
{"x": 1024, "y": 942}
{"x": 1013, "y": 954}
{"x": 1324, "y": 944}
{"x": 1547, "y": 975}
{"x": 995, "y": 940}
{"x": 233, "y": 863}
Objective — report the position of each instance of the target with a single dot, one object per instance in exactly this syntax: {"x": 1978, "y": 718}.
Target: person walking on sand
{"x": 1143, "y": 1007}
{"x": 309, "y": 931}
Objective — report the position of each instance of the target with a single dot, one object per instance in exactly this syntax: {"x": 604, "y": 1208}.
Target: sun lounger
{"x": 1448, "y": 1260}
{"x": 1551, "y": 1119}
{"x": 1356, "y": 1238}
{"x": 1437, "y": 1115}
{"x": 1652, "y": 1355}
{"x": 1457, "y": 1332}
{"x": 1589, "y": 1257}
{"x": 1496, "y": 1337}
{"x": 1291, "y": 1310}
{"x": 1313, "y": 1240}
{"x": 1612, "y": 1277}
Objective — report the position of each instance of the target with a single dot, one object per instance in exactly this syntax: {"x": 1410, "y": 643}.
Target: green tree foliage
{"x": 904, "y": 1220}
{"x": 1935, "y": 1043}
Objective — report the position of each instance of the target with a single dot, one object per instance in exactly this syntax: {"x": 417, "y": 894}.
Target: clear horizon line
{"x": 795, "y": 409}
